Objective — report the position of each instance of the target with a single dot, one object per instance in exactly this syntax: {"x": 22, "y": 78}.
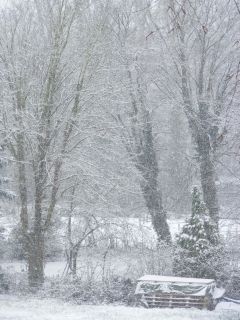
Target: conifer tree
{"x": 199, "y": 252}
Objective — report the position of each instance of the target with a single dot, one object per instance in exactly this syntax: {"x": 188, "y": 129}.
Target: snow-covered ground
{"x": 137, "y": 229}
{"x": 55, "y": 268}
{"x": 13, "y": 308}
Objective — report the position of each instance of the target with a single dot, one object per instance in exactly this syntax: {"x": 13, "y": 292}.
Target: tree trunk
{"x": 158, "y": 216}
{"x": 143, "y": 155}
{"x": 207, "y": 174}
{"x": 36, "y": 254}
{"x": 74, "y": 263}
{"x": 148, "y": 166}
{"x": 200, "y": 126}
{"x": 36, "y": 261}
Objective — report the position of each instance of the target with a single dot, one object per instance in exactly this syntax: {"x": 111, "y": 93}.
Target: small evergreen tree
{"x": 199, "y": 252}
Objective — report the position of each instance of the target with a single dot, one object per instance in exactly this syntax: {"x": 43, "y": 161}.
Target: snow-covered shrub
{"x": 98, "y": 281}
{"x": 199, "y": 251}
{"x": 53, "y": 245}
{"x": 4, "y": 248}
{"x": 5, "y": 193}
{"x": 4, "y": 283}
{"x": 155, "y": 260}
{"x": 233, "y": 286}
{"x": 13, "y": 283}
{"x": 15, "y": 243}
{"x": 119, "y": 290}
{"x": 113, "y": 290}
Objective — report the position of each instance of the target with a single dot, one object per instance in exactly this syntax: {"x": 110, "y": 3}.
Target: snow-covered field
{"x": 55, "y": 268}
{"x": 13, "y": 308}
{"x": 138, "y": 229}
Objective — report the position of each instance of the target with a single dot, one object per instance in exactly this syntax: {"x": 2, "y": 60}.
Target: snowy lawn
{"x": 13, "y": 308}
{"x": 55, "y": 268}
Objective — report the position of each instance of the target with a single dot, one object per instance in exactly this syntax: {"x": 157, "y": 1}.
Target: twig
{"x": 237, "y": 6}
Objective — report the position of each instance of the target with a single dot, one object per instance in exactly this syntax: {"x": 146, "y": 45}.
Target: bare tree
{"x": 43, "y": 90}
{"x": 136, "y": 123}
{"x": 199, "y": 39}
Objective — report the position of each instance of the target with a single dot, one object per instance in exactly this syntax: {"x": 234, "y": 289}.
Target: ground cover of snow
{"x": 118, "y": 262}
{"x": 138, "y": 229}
{"x": 52, "y": 269}
{"x": 15, "y": 308}
{"x": 56, "y": 268}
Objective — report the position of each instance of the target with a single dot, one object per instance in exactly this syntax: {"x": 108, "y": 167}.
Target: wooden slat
{"x": 171, "y": 298}
{"x": 175, "y": 296}
{"x": 176, "y": 306}
{"x": 173, "y": 301}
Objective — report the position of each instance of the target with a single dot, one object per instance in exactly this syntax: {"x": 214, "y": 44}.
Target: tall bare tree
{"x": 199, "y": 39}
{"x": 136, "y": 122}
{"x": 43, "y": 77}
